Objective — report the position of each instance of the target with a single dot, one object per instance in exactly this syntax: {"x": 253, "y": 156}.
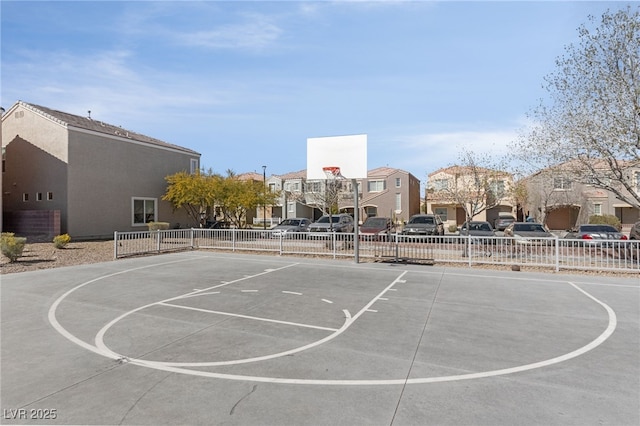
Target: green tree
{"x": 237, "y": 196}
{"x": 591, "y": 121}
{"x": 196, "y": 193}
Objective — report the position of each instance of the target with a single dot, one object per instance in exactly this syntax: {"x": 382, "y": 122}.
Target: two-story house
{"x": 64, "y": 173}
{"x": 456, "y": 191}
{"x": 386, "y": 191}
{"x": 556, "y": 197}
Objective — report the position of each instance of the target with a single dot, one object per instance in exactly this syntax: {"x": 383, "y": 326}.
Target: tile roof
{"x": 87, "y": 123}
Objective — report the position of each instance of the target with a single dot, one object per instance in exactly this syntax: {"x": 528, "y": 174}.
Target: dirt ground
{"x": 44, "y": 256}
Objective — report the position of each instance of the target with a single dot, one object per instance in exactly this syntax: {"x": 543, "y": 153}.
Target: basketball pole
{"x": 356, "y": 219}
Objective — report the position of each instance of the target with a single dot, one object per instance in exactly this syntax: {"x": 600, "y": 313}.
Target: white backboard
{"x": 347, "y": 152}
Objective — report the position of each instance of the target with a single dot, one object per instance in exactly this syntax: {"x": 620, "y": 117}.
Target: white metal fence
{"x": 553, "y": 253}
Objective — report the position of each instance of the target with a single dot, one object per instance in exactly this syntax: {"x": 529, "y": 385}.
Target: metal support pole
{"x": 356, "y": 219}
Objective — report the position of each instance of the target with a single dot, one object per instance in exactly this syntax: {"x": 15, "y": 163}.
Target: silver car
{"x": 333, "y": 223}
{"x": 289, "y": 227}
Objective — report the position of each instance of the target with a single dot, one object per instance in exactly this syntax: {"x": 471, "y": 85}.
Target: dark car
{"x": 527, "y": 230}
{"x": 424, "y": 224}
{"x": 634, "y": 234}
{"x": 335, "y": 223}
{"x": 377, "y": 228}
{"x": 477, "y": 229}
{"x": 595, "y": 234}
{"x": 290, "y": 226}
{"x": 503, "y": 220}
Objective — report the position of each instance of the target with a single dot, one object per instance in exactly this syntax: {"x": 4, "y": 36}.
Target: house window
{"x": 398, "y": 202}
{"x": 291, "y": 207}
{"x": 272, "y": 187}
{"x": 376, "y": 185}
{"x": 398, "y": 182}
{"x": 597, "y": 209}
{"x": 144, "y": 210}
{"x": 49, "y": 196}
{"x": 194, "y": 166}
{"x": 637, "y": 175}
{"x": 25, "y": 197}
{"x": 314, "y": 186}
{"x": 561, "y": 184}
{"x": 38, "y": 196}
{"x": 440, "y": 184}
{"x": 497, "y": 188}
{"x": 442, "y": 212}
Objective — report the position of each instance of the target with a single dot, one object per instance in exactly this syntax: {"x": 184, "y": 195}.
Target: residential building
{"x": 63, "y": 173}
{"x": 485, "y": 191}
{"x": 557, "y": 198}
{"x": 386, "y": 191}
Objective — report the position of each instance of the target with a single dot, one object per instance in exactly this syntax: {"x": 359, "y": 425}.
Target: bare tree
{"x": 475, "y": 184}
{"x": 591, "y": 122}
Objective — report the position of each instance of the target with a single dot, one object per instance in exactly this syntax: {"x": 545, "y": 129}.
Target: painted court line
{"x": 191, "y": 308}
{"x": 101, "y": 349}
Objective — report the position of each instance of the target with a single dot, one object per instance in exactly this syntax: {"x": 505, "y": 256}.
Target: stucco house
{"x": 63, "y": 173}
{"x": 386, "y": 191}
{"x": 558, "y": 199}
{"x": 448, "y": 188}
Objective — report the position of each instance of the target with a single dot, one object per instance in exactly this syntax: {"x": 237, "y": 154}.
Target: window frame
{"x": 144, "y": 210}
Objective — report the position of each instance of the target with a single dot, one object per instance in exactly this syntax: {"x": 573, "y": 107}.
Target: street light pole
{"x": 264, "y": 203}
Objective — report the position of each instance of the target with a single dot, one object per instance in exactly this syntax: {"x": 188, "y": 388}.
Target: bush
{"x": 12, "y": 246}
{"x": 453, "y": 228}
{"x": 158, "y": 226}
{"x": 61, "y": 241}
{"x": 606, "y": 219}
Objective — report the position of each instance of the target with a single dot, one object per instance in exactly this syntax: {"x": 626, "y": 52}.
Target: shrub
{"x": 61, "y": 241}
{"x": 158, "y": 226}
{"x": 12, "y": 246}
{"x": 453, "y": 228}
{"x": 606, "y": 219}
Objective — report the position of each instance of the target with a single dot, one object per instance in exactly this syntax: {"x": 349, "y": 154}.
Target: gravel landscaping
{"x": 44, "y": 256}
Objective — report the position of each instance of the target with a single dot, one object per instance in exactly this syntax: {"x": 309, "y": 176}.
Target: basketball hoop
{"x": 332, "y": 172}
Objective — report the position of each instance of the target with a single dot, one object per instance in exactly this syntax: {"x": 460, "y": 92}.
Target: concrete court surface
{"x": 210, "y": 338}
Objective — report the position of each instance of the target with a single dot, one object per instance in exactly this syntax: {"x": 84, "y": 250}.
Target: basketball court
{"x": 218, "y": 338}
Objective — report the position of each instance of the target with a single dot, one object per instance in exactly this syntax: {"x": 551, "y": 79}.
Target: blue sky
{"x": 245, "y": 83}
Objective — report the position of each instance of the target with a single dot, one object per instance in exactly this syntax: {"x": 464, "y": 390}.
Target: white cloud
{"x": 256, "y": 34}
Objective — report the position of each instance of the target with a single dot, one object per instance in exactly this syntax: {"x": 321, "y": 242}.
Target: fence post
{"x": 281, "y": 245}
{"x": 115, "y": 244}
{"x": 233, "y": 239}
{"x": 557, "y": 251}
{"x": 469, "y": 248}
{"x": 192, "y": 239}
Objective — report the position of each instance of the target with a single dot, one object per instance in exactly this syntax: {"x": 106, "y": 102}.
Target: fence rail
{"x": 553, "y": 253}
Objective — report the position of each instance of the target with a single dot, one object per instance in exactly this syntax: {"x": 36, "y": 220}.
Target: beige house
{"x": 386, "y": 192}
{"x": 64, "y": 173}
{"x": 487, "y": 192}
{"x": 556, "y": 198}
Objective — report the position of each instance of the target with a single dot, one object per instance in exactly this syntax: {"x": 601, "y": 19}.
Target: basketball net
{"x": 332, "y": 172}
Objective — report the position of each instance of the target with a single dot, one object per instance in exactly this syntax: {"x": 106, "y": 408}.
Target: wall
{"x": 38, "y": 224}
{"x": 106, "y": 172}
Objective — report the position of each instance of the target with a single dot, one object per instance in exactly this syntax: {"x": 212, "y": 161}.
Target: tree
{"x": 591, "y": 122}
{"x": 237, "y": 196}
{"x": 474, "y": 184}
{"x": 196, "y": 192}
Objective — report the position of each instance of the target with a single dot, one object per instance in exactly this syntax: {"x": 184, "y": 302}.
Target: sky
{"x": 246, "y": 83}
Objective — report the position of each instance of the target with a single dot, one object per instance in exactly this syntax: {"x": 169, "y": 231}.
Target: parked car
{"x": 217, "y": 224}
{"x": 477, "y": 229}
{"x": 337, "y": 223}
{"x": 377, "y": 228}
{"x": 634, "y": 234}
{"x": 424, "y": 224}
{"x": 503, "y": 220}
{"x": 290, "y": 226}
{"x": 527, "y": 230}
{"x": 595, "y": 234}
